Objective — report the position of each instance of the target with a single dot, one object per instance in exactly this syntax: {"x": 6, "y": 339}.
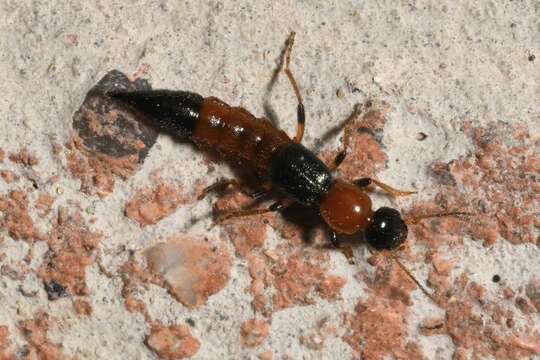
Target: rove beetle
{"x": 285, "y": 163}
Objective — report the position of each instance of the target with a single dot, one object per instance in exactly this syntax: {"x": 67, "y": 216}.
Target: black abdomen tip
{"x": 176, "y": 112}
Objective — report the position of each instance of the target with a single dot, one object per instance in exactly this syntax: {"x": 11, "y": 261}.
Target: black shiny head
{"x": 387, "y": 231}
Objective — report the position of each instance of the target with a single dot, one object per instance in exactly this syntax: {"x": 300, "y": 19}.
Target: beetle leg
{"x": 277, "y": 206}
{"x": 346, "y": 138}
{"x": 222, "y": 184}
{"x": 332, "y": 236}
{"x": 300, "y": 113}
{"x": 365, "y": 182}
{"x": 346, "y": 250}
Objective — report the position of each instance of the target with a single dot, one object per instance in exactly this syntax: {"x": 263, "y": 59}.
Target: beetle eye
{"x": 387, "y": 231}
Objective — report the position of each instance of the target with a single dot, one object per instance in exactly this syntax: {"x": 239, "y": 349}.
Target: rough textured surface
{"x": 108, "y": 139}
{"x": 106, "y": 254}
{"x": 150, "y": 205}
{"x": 174, "y": 342}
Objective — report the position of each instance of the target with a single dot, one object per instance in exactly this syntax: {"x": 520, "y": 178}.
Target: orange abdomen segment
{"x": 238, "y": 135}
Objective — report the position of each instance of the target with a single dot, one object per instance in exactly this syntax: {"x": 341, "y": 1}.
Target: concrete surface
{"x": 81, "y": 271}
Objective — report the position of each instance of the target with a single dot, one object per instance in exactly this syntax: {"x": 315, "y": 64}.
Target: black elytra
{"x": 301, "y": 174}
{"x": 387, "y": 231}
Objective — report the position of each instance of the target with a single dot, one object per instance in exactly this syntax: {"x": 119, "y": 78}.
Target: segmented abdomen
{"x": 238, "y": 135}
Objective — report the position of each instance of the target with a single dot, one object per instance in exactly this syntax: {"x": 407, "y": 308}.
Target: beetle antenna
{"x": 415, "y": 219}
{"x": 406, "y": 271}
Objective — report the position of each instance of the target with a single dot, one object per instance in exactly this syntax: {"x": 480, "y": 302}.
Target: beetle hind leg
{"x": 238, "y": 213}
{"x": 222, "y": 184}
{"x": 342, "y": 154}
{"x": 300, "y": 113}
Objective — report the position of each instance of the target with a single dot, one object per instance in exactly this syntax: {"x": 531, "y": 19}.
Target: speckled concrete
{"x": 455, "y": 89}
